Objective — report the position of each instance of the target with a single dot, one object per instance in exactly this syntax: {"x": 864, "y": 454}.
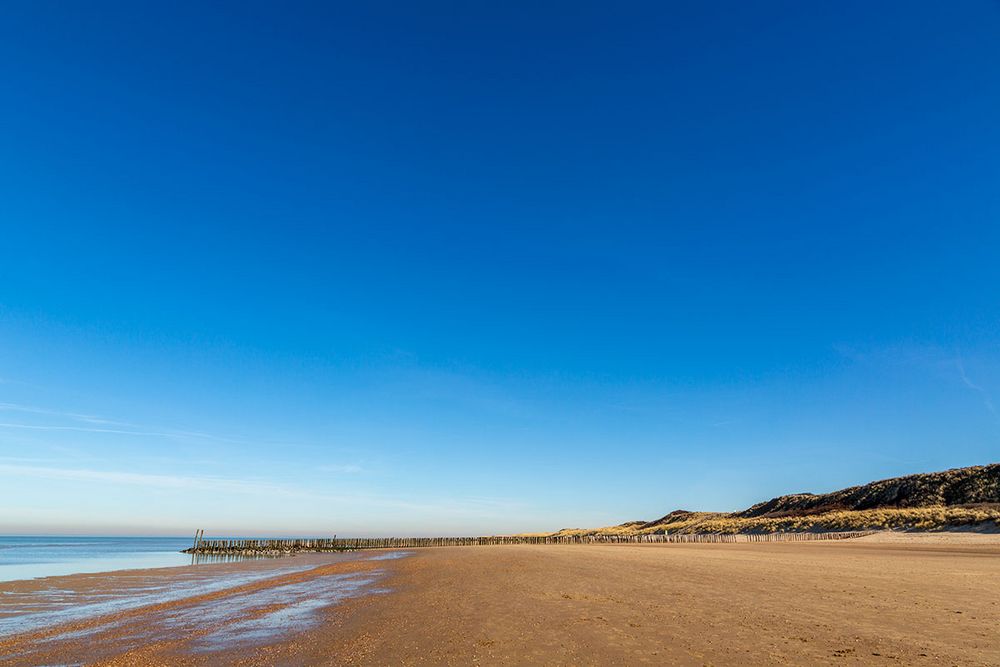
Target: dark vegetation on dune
{"x": 959, "y": 498}
{"x": 960, "y": 486}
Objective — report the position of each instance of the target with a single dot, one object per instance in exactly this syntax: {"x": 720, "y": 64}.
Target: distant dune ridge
{"x": 967, "y": 498}
{"x": 959, "y": 486}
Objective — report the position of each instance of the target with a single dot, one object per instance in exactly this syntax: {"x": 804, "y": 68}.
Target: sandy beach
{"x": 878, "y": 600}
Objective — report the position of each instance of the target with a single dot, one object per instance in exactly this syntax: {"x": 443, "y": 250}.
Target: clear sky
{"x": 418, "y": 268}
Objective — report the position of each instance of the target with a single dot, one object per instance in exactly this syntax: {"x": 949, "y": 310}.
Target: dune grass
{"x": 982, "y": 517}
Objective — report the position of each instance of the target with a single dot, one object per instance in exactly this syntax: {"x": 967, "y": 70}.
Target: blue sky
{"x": 446, "y": 268}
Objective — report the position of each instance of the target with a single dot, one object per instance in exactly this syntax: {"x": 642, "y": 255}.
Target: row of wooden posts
{"x": 283, "y": 546}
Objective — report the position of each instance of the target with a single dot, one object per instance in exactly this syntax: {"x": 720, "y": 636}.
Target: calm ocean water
{"x": 28, "y": 557}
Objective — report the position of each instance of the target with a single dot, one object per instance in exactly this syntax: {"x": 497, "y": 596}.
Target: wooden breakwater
{"x": 286, "y": 546}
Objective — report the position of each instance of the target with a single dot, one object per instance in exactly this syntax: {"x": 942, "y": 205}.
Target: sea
{"x": 29, "y": 557}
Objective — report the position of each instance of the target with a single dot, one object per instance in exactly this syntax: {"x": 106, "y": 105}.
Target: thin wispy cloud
{"x": 141, "y": 479}
{"x": 985, "y": 395}
{"x": 85, "y": 429}
{"x": 928, "y": 358}
{"x": 454, "y": 507}
{"x": 98, "y": 424}
{"x": 76, "y": 416}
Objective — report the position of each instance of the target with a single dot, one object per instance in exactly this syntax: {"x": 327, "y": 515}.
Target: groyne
{"x": 217, "y": 546}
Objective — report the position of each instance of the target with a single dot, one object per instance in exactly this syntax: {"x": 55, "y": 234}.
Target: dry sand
{"x": 881, "y": 600}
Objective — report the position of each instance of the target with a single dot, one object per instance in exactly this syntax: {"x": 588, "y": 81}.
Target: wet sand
{"x": 898, "y": 600}
{"x": 205, "y": 614}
